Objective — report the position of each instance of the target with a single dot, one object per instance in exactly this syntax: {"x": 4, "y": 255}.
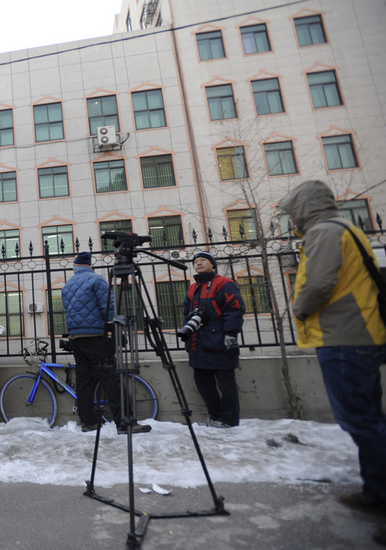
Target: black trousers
{"x": 87, "y": 353}
{"x": 210, "y": 383}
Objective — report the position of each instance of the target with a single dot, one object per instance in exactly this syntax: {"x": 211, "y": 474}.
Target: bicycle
{"x": 30, "y": 395}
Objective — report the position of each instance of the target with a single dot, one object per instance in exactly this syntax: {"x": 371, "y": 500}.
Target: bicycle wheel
{"x": 14, "y": 396}
{"x": 146, "y": 400}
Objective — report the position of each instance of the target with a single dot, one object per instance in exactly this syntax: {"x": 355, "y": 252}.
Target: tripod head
{"x": 126, "y": 244}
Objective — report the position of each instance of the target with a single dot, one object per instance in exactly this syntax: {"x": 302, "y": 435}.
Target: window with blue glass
{"x": 110, "y": 176}
{"x": 53, "y": 182}
{"x": 310, "y": 30}
{"x": 210, "y": 45}
{"x": 280, "y": 158}
{"x": 149, "y": 109}
{"x": 10, "y": 243}
{"x": 8, "y": 187}
{"x": 59, "y": 238}
{"x": 255, "y": 39}
{"x": 11, "y": 313}
{"x": 324, "y": 89}
{"x": 267, "y": 96}
{"x": 48, "y": 121}
{"x": 221, "y": 102}
{"x": 7, "y": 137}
{"x": 102, "y": 111}
{"x": 340, "y": 153}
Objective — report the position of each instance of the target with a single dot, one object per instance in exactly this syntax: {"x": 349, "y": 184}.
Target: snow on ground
{"x": 289, "y": 451}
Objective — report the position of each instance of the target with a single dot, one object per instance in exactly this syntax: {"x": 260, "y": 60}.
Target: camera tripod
{"x": 128, "y": 286}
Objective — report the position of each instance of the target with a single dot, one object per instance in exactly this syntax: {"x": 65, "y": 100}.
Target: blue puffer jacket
{"x": 220, "y": 299}
{"x": 85, "y": 302}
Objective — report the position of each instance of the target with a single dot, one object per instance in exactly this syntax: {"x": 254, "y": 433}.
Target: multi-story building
{"x": 192, "y": 115}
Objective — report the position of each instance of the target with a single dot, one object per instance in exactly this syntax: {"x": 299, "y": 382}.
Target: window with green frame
{"x": 12, "y": 313}
{"x": 324, "y": 89}
{"x": 102, "y": 111}
{"x": 9, "y": 244}
{"x": 255, "y": 39}
{"x": 8, "y": 187}
{"x": 110, "y": 176}
{"x": 60, "y": 239}
{"x": 53, "y": 182}
{"x": 171, "y": 295}
{"x": 242, "y": 222}
{"x": 122, "y": 226}
{"x": 255, "y": 293}
{"x": 221, "y": 102}
{"x": 340, "y": 153}
{"x": 7, "y": 137}
{"x": 267, "y": 96}
{"x": 60, "y": 326}
{"x": 157, "y": 171}
{"x": 310, "y": 30}
{"x": 149, "y": 110}
{"x": 232, "y": 163}
{"x": 166, "y": 231}
{"x": 280, "y": 158}
{"x": 210, "y": 45}
{"x": 354, "y": 209}
{"x": 48, "y": 121}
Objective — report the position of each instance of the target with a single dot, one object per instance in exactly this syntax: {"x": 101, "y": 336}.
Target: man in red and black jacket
{"x": 213, "y": 348}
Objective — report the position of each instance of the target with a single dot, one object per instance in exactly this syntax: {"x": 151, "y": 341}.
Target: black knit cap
{"x": 206, "y": 255}
{"x": 84, "y": 258}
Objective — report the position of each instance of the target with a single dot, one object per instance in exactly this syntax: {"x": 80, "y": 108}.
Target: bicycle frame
{"x": 46, "y": 368}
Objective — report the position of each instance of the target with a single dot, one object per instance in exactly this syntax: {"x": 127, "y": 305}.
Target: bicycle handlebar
{"x": 40, "y": 351}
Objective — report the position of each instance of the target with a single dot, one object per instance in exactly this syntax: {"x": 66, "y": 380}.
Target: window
{"x": 102, "y": 111}
{"x": 53, "y": 182}
{"x": 232, "y": 163}
{"x": 255, "y": 293}
{"x": 10, "y": 244}
{"x": 166, "y": 231}
{"x": 280, "y": 158}
{"x": 210, "y": 45}
{"x": 6, "y": 128}
{"x": 339, "y": 151}
{"x": 8, "y": 189}
{"x": 285, "y": 223}
{"x": 60, "y": 326}
{"x": 110, "y": 176}
{"x": 122, "y": 226}
{"x": 171, "y": 297}
{"x": 12, "y": 313}
{"x": 129, "y": 26}
{"x": 157, "y": 171}
{"x": 221, "y": 102}
{"x": 242, "y": 224}
{"x": 48, "y": 122}
{"x": 267, "y": 96}
{"x": 354, "y": 209}
{"x": 292, "y": 281}
{"x": 324, "y": 89}
{"x": 310, "y": 30}
{"x": 59, "y": 239}
{"x": 149, "y": 109}
{"x": 126, "y": 300}
{"x": 255, "y": 39}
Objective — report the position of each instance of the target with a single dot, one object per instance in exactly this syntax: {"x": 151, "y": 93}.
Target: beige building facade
{"x": 191, "y": 116}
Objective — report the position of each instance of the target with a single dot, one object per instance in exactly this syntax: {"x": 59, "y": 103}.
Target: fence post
{"x": 50, "y": 303}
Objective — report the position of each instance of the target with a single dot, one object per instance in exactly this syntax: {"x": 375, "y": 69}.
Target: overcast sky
{"x": 32, "y": 23}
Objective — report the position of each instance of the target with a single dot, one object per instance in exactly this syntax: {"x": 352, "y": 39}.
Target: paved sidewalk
{"x": 263, "y": 516}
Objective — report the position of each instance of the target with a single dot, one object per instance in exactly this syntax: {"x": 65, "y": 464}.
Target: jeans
{"x": 225, "y": 407}
{"x": 353, "y": 383}
{"x": 87, "y": 353}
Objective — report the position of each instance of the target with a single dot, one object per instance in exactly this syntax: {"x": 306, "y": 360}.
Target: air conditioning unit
{"x": 35, "y": 307}
{"x": 106, "y": 136}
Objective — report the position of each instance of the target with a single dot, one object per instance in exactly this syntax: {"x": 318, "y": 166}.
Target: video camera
{"x": 124, "y": 243}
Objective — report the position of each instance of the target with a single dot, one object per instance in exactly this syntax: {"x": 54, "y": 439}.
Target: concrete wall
{"x": 261, "y": 385}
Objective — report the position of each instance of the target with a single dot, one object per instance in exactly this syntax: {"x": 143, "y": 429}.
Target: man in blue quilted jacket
{"x": 85, "y": 299}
